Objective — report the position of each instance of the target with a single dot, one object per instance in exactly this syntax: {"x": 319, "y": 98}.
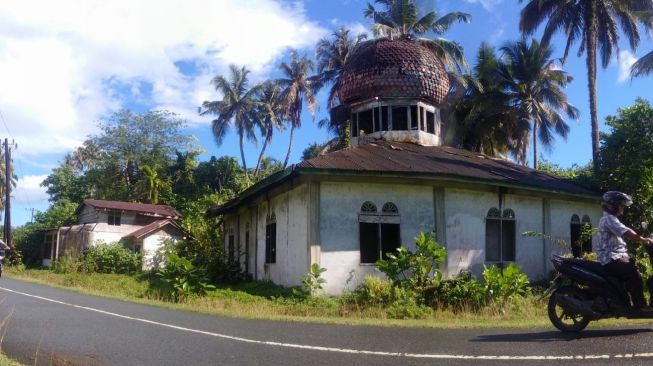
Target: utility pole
{"x": 7, "y": 233}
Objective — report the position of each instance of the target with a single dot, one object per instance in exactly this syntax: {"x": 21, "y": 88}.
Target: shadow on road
{"x": 556, "y": 336}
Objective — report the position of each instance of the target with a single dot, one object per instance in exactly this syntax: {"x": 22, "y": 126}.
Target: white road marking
{"x": 344, "y": 350}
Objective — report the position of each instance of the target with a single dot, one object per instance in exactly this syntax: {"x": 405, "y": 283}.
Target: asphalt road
{"x": 47, "y": 326}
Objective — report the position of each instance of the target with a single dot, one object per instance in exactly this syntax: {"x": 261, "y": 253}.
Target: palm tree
{"x": 297, "y": 86}
{"x": 268, "y": 115}
{"x": 399, "y": 18}
{"x": 643, "y": 66}
{"x": 479, "y": 117}
{"x": 595, "y": 24}
{"x": 534, "y": 85}
{"x": 332, "y": 56}
{"x": 154, "y": 183}
{"x": 235, "y": 107}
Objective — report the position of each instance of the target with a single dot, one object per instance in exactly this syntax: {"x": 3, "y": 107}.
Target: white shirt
{"x": 612, "y": 246}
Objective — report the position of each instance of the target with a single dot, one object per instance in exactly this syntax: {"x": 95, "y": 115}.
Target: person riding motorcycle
{"x": 612, "y": 251}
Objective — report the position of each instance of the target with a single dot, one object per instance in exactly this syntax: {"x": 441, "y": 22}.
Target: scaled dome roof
{"x": 399, "y": 68}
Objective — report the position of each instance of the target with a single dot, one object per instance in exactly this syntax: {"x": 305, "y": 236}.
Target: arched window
{"x": 500, "y": 236}
{"x": 390, "y": 208}
{"x": 271, "y": 239}
{"x": 379, "y": 233}
{"x": 586, "y": 234}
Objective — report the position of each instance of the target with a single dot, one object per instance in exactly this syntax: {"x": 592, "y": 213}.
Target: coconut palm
{"x": 235, "y": 108}
{"x": 643, "y": 66}
{"x": 595, "y": 25}
{"x": 268, "y": 115}
{"x": 400, "y": 18}
{"x": 534, "y": 85}
{"x": 297, "y": 86}
{"x": 332, "y": 55}
{"x": 479, "y": 118}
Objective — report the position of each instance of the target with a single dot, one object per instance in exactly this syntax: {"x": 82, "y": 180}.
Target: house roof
{"x": 407, "y": 160}
{"x": 143, "y": 208}
{"x": 156, "y": 225}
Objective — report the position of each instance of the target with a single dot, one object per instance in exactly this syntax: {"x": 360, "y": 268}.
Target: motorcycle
{"x": 3, "y": 253}
{"x": 582, "y": 292}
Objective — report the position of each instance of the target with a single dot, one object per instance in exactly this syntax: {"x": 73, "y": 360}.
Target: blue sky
{"x": 67, "y": 66}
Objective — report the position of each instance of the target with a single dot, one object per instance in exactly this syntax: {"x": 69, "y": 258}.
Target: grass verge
{"x": 259, "y": 300}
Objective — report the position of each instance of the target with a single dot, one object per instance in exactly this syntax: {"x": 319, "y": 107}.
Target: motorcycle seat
{"x": 595, "y": 267}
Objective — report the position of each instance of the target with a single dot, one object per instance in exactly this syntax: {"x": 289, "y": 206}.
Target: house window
{"x": 430, "y": 122}
{"x": 271, "y": 239}
{"x": 379, "y": 233}
{"x": 399, "y": 118}
{"x": 137, "y": 248}
{"x": 384, "y": 118}
{"x": 414, "y": 120}
{"x": 230, "y": 245}
{"x": 500, "y": 236}
{"x": 114, "y": 218}
{"x": 365, "y": 122}
{"x": 48, "y": 245}
{"x": 354, "y": 125}
{"x": 247, "y": 247}
{"x": 377, "y": 119}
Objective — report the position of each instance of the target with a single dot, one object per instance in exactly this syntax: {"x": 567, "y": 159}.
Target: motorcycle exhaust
{"x": 576, "y": 306}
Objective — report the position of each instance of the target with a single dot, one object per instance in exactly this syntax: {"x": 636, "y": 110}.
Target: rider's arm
{"x": 632, "y": 236}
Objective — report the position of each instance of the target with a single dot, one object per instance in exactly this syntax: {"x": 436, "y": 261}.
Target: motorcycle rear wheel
{"x": 561, "y": 318}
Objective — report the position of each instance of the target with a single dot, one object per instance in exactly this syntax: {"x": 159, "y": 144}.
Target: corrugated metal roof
{"x": 145, "y": 208}
{"x": 398, "y": 157}
{"x": 408, "y": 159}
{"x": 153, "y": 227}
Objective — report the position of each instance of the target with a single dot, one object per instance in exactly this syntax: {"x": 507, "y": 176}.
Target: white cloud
{"x": 487, "y": 4}
{"x": 29, "y": 190}
{"x": 66, "y": 65}
{"x": 626, "y": 60}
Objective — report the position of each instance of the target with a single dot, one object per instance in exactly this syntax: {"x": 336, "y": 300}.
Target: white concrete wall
{"x": 529, "y": 216}
{"x": 561, "y": 213}
{"x": 465, "y": 212}
{"x": 340, "y": 204}
{"x": 291, "y": 211}
{"x": 153, "y": 242}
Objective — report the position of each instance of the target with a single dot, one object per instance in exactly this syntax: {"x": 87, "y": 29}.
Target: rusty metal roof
{"x": 143, "y": 208}
{"x": 156, "y": 225}
{"x": 401, "y": 157}
{"x": 407, "y": 160}
{"x": 399, "y": 68}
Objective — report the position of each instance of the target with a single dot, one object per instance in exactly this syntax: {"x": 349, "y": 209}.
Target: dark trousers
{"x": 627, "y": 272}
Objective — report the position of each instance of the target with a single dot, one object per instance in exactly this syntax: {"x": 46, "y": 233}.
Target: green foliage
{"x": 182, "y": 279}
{"x": 462, "y": 292}
{"x": 626, "y": 159}
{"x": 505, "y": 283}
{"x": 28, "y": 238}
{"x": 110, "y": 258}
{"x": 415, "y": 271}
{"x": 312, "y": 281}
{"x": 374, "y": 291}
{"x": 408, "y": 309}
{"x": 580, "y": 174}
{"x": 314, "y": 150}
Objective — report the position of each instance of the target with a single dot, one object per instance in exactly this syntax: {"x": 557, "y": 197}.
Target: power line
{"x": 2, "y": 117}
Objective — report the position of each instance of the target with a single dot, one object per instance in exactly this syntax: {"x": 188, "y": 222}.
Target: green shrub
{"x": 67, "y": 263}
{"x": 312, "y": 281}
{"x": 110, "y": 258}
{"x": 182, "y": 279}
{"x": 417, "y": 272}
{"x": 374, "y": 291}
{"x": 505, "y": 283}
{"x": 408, "y": 309}
{"x": 461, "y": 292}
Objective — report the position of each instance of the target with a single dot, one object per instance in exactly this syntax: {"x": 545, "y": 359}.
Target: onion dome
{"x": 400, "y": 68}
